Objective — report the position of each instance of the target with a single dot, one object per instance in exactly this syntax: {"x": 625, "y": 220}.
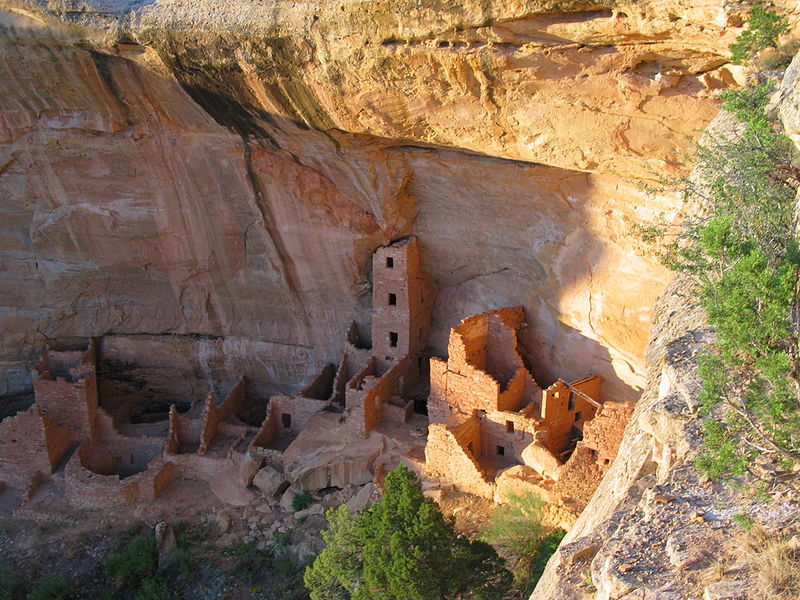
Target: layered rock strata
{"x": 150, "y": 195}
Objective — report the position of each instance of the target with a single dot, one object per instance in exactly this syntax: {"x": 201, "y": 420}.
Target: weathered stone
{"x": 248, "y": 468}
{"x": 361, "y": 499}
{"x": 269, "y": 481}
{"x": 314, "y": 509}
{"x": 287, "y": 498}
{"x": 726, "y": 590}
{"x": 435, "y": 495}
{"x": 165, "y": 541}
{"x": 227, "y": 486}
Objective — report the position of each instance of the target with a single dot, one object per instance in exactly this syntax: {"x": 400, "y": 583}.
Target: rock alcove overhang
{"x": 199, "y": 200}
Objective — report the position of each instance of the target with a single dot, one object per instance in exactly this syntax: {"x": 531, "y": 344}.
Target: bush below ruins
{"x": 403, "y": 548}
{"x": 519, "y": 536}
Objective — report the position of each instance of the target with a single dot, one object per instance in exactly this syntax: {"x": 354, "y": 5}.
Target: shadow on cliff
{"x": 498, "y": 232}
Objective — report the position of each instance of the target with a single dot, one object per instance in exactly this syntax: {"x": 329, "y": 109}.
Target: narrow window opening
{"x": 393, "y": 339}
{"x": 509, "y": 426}
{"x": 286, "y": 420}
{"x": 389, "y": 262}
{"x": 577, "y": 416}
{"x": 392, "y": 299}
{"x": 572, "y": 401}
{"x": 501, "y": 451}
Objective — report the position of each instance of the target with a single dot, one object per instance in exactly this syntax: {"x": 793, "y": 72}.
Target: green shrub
{"x": 134, "y": 563}
{"x": 744, "y": 521}
{"x": 741, "y": 248}
{"x": 52, "y": 587}
{"x": 302, "y": 501}
{"x": 763, "y": 29}
{"x": 248, "y": 560}
{"x": 403, "y": 548}
{"x": 516, "y": 531}
{"x": 155, "y": 588}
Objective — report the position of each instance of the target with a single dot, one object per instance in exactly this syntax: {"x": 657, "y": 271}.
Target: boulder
{"x": 286, "y": 499}
{"x": 725, "y": 590}
{"x": 314, "y": 509}
{"x": 227, "y": 486}
{"x": 325, "y": 455}
{"x": 361, "y": 500}
{"x": 165, "y": 542}
{"x": 541, "y": 460}
{"x": 248, "y": 468}
{"x": 269, "y": 481}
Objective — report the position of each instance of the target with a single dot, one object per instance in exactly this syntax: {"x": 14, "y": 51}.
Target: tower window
{"x": 286, "y": 420}
{"x": 509, "y": 426}
{"x": 392, "y": 299}
{"x": 389, "y": 262}
{"x": 501, "y": 451}
{"x": 578, "y": 416}
{"x": 393, "y": 339}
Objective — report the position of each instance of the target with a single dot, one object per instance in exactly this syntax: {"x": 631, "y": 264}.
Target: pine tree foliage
{"x": 403, "y": 548}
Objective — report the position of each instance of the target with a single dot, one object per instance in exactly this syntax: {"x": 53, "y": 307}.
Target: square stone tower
{"x": 402, "y": 302}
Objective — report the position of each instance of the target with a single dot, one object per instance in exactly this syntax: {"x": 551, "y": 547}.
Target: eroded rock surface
{"x": 195, "y": 222}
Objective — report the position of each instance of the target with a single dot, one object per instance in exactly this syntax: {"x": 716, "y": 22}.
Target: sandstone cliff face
{"x": 176, "y": 192}
{"x": 655, "y": 527}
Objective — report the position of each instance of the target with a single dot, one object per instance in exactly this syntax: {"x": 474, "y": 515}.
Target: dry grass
{"x": 718, "y": 568}
{"x": 776, "y": 563}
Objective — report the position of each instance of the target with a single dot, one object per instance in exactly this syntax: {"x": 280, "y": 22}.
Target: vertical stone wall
{"x": 604, "y": 433}
{"x": 299, "y": 409}
{"x": 65, "y": 386}
{"x": 30, "y": 443}
{"x": 210, "y": 420}
{"x": 402, "y": 301}
{"x": 447, "y": 457}
{"x": 233, "y": 400}
{"x": 172, "y": 445}
{"x": 268, "y": 430}
{"x": 563, "y": 412}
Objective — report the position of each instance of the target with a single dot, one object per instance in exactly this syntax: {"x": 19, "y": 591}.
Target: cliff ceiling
{"x": 205, "y": 181}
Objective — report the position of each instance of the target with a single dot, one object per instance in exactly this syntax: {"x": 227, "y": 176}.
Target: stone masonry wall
{"x": 604, "y": 433}
{"x": 299, "y": 409}
{"x": 447, "y": 457}
{"x": 30, "y": 443}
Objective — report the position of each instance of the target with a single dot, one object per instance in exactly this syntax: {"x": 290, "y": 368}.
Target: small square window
{"x": 509, "y": 426}
{"x": 389, "y": 262}
{"x": 501, "y": 451}
{"x": 393, "y": 339}
{"x": 286, "y": 420}
{"x": 392, "y": 299}
{"x": 577, "y": 416}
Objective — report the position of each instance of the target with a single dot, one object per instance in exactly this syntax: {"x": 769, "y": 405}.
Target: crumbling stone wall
{"x": 564, "y": 412}
{"x": 483, "y": 370}
{"x": 85, "y": 488}
{"x": 604, "y": 433}
{"x": 133, "y": 454}
{"x": 450, "y": 454}
{"x": 65, "y": 387}
{"x": 30, "y": 443}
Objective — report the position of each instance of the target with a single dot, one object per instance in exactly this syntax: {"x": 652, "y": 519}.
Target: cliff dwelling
{"x": 490, "y": 429}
